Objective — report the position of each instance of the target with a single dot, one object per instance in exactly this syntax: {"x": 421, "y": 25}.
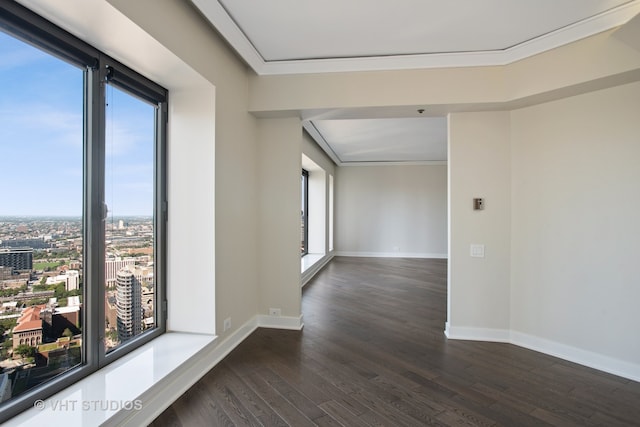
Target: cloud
{"x": 16, "y": 57}
{"x": 41, "y": 123}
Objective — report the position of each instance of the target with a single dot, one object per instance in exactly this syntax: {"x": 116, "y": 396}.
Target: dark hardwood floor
{"x": 373, "y": 353}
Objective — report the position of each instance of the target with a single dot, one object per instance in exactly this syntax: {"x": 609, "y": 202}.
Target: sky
{"x": 41, "y": 139}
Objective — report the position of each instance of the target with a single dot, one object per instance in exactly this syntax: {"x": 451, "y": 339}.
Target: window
{"x": 304, "y": 246}
{"x": 83, "y": 212}
{"x": 331, "y": 213}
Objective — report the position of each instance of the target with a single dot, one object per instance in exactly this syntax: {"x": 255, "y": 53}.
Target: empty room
{"x": 462, "y": 250}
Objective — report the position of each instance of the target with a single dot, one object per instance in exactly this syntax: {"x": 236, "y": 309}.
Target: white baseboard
{"x": 391, "y": 254}
{"x": 566, "y": 352}
{"x": 476, "y": 334}
{"x": 577, "y": 355}
{"x": 167, "y": 391}
{"x": 280, "y": 322}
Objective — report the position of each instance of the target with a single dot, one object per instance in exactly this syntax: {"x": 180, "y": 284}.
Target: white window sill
{"x": 311, "y": 264}
{"x": 124, "y": 386}
{"x": 308, "y": 261}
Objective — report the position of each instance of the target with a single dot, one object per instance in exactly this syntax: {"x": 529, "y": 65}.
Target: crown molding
{"x": 221, "y": 20}
{"x": 315, "y": 134}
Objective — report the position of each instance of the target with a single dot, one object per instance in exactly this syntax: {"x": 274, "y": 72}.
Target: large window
{"x": 83, "y": 211}
{"x": 304, "y": 214}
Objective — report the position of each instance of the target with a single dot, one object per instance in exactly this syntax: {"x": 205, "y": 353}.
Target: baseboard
{"x": 476, "y": 334}
{"x": 391, "y": 254}
{"x": 280, "y": 322}
{"x": 587, "y": 358}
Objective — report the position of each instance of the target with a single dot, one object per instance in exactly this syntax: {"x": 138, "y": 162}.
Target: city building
{"x": 128, "y": 304}
{"x": 71, "y": 280}
{"x": 28, "y": 330}
{"x": 46, "y": 322}
{"x": 113, "y": 266}
{"x": 18, "y": 258}
{"x": 26, "y": 243}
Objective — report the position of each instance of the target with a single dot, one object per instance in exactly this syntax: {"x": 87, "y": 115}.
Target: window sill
{"x": 310, "y": 264}
{"x": 308, "y": 260}
{"x": 110, "y": 395}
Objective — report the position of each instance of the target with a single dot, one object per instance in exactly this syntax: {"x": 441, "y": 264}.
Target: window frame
{"x": 99, "y": 70}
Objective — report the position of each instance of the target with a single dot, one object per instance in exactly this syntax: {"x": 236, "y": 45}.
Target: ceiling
{"x": 391, "y": 140}
{"x": 298, "y": 36}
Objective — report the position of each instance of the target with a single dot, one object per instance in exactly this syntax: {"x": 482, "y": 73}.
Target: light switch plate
{"x": 477, "y": 251}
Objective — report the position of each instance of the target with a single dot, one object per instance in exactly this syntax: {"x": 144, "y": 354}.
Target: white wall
{"x": 279, "y": 222}
{"x": 575, "y": 251}
{"x": 391, "y": 211}
{"x": 479, "y": 166}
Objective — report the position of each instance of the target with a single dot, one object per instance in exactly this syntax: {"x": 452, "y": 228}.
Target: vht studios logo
{"x": 88, "y": 405}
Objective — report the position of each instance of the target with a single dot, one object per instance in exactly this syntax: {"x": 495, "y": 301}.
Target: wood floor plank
{"x": 342, "y": 414}
{"x": 373, "y": 353}
{"x": 258, "y": 407}
{"x": 285, "y": 409}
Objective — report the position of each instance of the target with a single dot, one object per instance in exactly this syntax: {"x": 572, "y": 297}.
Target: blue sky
{"x": 41, "y": 128}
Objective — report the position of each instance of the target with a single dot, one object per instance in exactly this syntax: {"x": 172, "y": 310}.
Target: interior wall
{"x": 575, "y": 251}
{"x": 479, "y": 167}
{"x": 396, "y": 211}
{"x": 280, "y": 199}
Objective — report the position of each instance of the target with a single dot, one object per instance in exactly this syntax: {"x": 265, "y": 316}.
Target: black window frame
{"x": 304, "y": 250}
{"x": 99, "y": 71}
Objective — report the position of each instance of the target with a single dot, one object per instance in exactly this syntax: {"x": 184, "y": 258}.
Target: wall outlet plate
{"x": 275, "y": 312}
{"x": 227, "y": 324}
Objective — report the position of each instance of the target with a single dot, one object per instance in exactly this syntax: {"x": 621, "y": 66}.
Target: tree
{"x": 25, "y": 350}
{"x": 60, "y": 290}
{"x": 7, "y": 324}
{"x": 67, "y": 333}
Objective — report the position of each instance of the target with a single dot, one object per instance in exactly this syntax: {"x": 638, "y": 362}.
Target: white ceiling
{"x": 422, "y": 139}
{"x": 298, "y": 36}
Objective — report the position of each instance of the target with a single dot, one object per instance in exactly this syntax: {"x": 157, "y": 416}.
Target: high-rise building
{"x": 112, "y": 266}
{"x": 18, "y": 258}
{"x": 128, "y": 304}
